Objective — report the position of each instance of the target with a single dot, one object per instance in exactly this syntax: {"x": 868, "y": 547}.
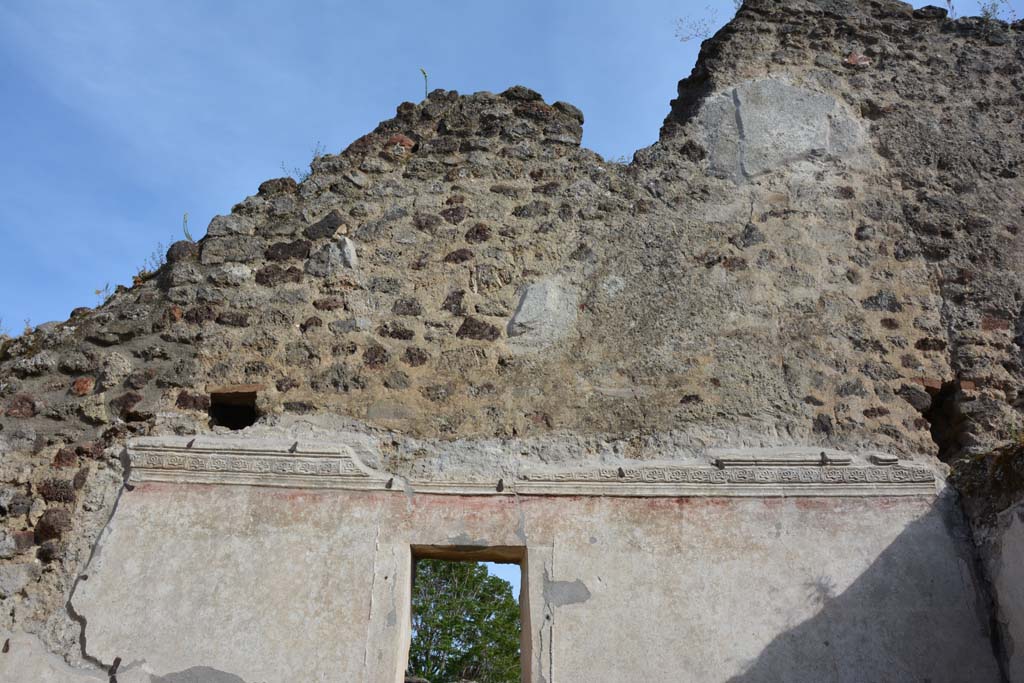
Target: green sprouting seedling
{"x": 184, "y": 227}
{"x": 426, "y": 81}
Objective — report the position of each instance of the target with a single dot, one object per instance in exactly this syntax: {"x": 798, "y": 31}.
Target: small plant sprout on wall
{"x": 989, "y": 10}
{"x": 299, "y": 174}
{"x": 103, "y": 294}
{"x": 700, "y": 26}
{"x": 996, "y": 10}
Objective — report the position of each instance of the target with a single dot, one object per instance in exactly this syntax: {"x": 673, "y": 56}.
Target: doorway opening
{"x": 469, "y": 615}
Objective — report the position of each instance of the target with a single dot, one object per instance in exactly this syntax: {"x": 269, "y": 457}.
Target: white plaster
{"x": 312, "y": 585}
{"x": 25, "y": 659}
{"x": 546, "y": 314}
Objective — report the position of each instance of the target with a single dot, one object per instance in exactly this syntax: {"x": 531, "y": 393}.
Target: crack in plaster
{"x": 373, "y": 592}
{"x": 741, "y": 143}
{"x": 94, "y": 554}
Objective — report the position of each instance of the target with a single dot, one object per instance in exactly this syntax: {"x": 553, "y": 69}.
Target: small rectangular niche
{"x": 467, "y": 623}
{"x": 234, "y": 406}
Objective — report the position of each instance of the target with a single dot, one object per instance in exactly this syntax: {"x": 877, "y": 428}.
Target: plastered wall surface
{"x": 286, "y": 585}
{"x": 1005, "y": 566}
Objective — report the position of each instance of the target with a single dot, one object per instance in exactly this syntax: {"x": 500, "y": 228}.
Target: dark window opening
{"x": 468, "y": 612}
{"x": 234, "y": 410}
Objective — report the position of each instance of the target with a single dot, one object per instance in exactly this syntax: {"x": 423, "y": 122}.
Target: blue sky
{"x": 121, "y": 115}
{"x": 510, "y": 572}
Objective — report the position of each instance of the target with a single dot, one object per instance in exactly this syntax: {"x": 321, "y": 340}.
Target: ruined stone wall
{"x": 823, "y": 249}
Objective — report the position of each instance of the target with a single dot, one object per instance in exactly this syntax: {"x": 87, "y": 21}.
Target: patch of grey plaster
{"x": 363, "y": 440}
{"x": 612, "y": 286}
{"x": 464, "y": 540}
{"x": 388, "y": 411}
{"x": 490, "y": 459}
{"x": 721, "y": 136}
{"x": 332, "y": 258}
{"x": 481, "y": 460}
{"x": 561, "y": 593}
{"x": 348, "y": 252}
{"x": 546, "y": 314}
{"x": 764, "y": 125}
{"x": 405, "y": 486}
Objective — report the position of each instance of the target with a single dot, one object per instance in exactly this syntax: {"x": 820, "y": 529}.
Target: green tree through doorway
{"x": 465, "y": 624}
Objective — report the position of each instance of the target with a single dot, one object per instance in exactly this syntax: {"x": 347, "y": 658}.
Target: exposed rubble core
{"x": 824, "y": 248}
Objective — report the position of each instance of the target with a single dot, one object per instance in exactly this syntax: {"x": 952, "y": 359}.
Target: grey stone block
{"x": 546, "y": 314}
{"x": 764, "y": 125}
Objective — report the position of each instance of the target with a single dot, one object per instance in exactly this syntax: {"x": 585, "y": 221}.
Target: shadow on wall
{"x": 199, "y": 674}
{"x": 903, "y": 601}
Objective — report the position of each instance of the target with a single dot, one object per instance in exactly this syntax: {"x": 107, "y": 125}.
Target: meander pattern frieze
{"x": 744, "y": 475}
{"x": 246, "y": 464}
{"x": 318, "y": 466}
